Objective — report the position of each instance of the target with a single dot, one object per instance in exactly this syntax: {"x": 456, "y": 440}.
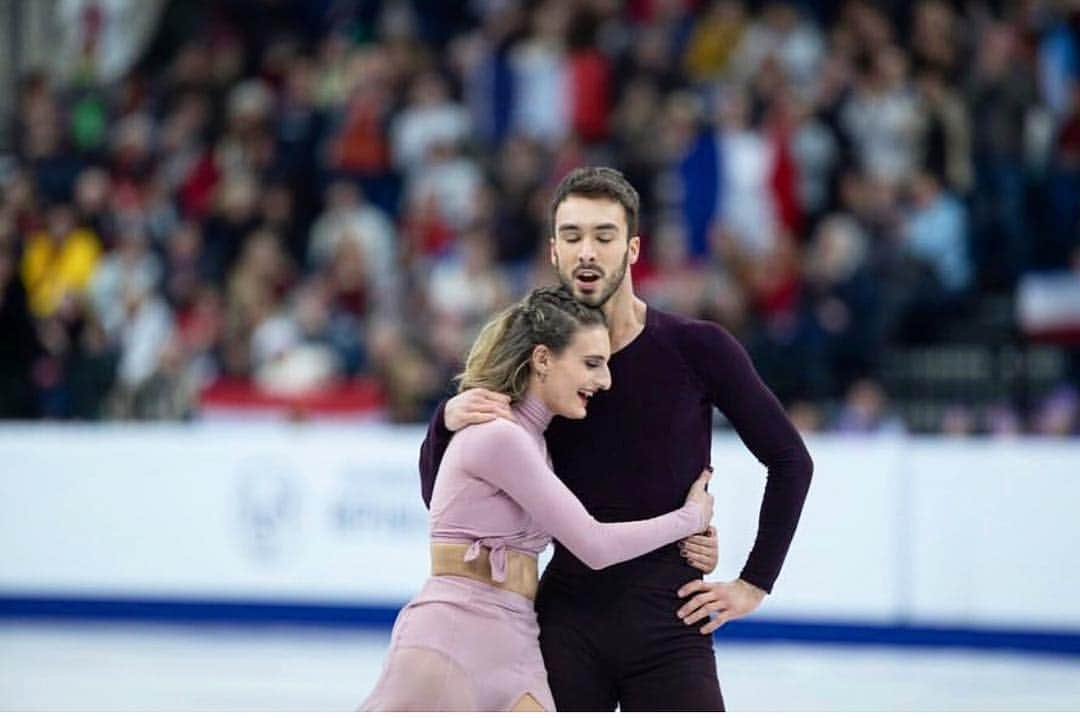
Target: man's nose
{"x": 588, "y": 252}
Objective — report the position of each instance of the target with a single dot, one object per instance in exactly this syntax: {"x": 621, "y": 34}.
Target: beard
{"x": 599, "y": 299}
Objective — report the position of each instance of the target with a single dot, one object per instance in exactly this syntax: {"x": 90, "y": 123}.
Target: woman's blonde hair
{"x": 499, "y": 358}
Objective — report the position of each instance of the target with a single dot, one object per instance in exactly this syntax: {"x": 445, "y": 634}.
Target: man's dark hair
{"x": 599, "y": 183}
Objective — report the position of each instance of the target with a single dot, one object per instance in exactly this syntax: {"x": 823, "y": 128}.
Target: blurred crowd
{"x": 298, "y": 194}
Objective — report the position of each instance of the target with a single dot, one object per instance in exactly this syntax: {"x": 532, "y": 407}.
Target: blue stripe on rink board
{"x": 196, "y": 611}
{"x": 382, "y": 616}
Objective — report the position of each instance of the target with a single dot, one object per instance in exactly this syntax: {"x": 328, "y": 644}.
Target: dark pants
{"x": 614, "y": 639}
{"x": 1002, "y": 240}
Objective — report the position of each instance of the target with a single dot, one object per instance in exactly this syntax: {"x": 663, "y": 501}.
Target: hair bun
{"x": 535, "y": 304}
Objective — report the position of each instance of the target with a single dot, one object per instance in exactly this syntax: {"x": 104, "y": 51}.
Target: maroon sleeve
{"x": 431, "y": 452}
{"x": 733, "y": 386}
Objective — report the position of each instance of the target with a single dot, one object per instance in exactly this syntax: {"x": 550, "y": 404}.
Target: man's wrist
{"x": 758, "y": 591}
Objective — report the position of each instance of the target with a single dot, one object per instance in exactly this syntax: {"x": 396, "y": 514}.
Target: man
{"x": 620, "y": 636}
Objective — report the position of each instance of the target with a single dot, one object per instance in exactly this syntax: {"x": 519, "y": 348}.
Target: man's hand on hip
{"x": 475, "y": 406}
{"x": 720, "y": 602}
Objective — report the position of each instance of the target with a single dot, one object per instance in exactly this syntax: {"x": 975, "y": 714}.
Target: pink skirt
{"x": 462, "y": 645}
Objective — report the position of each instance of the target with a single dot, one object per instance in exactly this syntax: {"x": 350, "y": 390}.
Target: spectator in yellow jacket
{"x": 58, "y": 259}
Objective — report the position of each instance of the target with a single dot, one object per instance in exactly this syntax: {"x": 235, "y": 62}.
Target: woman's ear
{"x": 541, "y": 361}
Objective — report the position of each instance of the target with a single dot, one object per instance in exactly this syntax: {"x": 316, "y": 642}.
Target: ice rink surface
{"x": 101, "y": 667}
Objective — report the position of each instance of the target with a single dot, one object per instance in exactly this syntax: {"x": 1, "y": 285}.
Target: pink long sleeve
{"x": 505, "y": 455}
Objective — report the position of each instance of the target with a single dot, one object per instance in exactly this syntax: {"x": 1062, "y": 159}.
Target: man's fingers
{"x": 720, "y": 592}
{"x": 687, "y": 588}
{"x": 489, "y": 410}
{"x": 479, "y": 391}
{"x": 693, "y": 604}
{"x": 699, "y": 615}
{"x": 715, "y": 623}
{"x": 504, "y": 412}
{"x": 689, "y": 607}
{"x": 712, "y": 604}
{"x": 492, "y": 406}
{"x": 477, "y": 417}
{"x": 494, "y": 396}
{"x": 703, "y": 612}
{"x": 495, "y": 410}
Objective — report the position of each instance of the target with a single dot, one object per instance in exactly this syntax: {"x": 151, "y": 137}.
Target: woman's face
{"x": 575, "y": 374}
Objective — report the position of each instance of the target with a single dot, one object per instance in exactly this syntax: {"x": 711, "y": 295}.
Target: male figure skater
{"x": 623, "y": 636}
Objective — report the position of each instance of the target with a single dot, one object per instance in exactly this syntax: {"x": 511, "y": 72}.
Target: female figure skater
{"x": 470, "y": 640}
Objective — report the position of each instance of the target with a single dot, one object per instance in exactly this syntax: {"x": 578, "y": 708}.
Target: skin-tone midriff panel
{"x": 529, "y": 704}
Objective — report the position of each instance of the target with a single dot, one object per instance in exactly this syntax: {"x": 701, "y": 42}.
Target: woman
{"x": 469, "y": 641}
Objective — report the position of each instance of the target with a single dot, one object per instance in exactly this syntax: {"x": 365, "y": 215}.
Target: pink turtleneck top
{"x": 496, "y": 489}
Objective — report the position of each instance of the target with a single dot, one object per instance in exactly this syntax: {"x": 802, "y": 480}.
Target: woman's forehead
{"x": 592, "y": 339}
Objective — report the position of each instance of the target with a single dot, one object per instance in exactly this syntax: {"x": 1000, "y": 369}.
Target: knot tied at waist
{"x": 489, "y": 561}
{"x": 496, "y": 558}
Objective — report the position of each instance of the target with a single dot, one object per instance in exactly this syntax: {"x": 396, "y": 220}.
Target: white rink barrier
{"x": 896, "y": 531}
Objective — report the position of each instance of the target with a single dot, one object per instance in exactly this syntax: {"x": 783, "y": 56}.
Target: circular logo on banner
{"x": 268, "y": 494}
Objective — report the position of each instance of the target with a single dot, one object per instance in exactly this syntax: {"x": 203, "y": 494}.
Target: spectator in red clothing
{"x": 748, "y": 207}
{"x": 132, "y": 161}
{"x": 464, "y": 117}
{"x": 784, "y": 117}
{"x": 361, "y": 145}
{"x": 589, "y": 81}
{"x": 1064, "y": 186}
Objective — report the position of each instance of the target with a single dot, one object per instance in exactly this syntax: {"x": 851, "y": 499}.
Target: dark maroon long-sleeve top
{"x": 645, "y": 441}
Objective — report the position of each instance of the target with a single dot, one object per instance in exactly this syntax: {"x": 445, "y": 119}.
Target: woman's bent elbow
{"x": 595, "y": 560}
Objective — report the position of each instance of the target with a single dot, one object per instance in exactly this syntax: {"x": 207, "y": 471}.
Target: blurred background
{"x": 245, "y": 245}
